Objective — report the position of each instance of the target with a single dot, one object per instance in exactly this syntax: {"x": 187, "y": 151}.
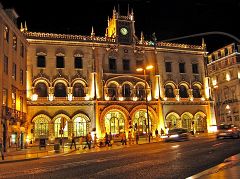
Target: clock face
{"x": 123, "y": 31}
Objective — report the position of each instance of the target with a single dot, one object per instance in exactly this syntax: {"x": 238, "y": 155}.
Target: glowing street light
{"x": 149, "y": 67}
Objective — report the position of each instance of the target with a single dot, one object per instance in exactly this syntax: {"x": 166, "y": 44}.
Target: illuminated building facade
{"x": 79, "y": 84}
{"x": 90, "y": 83}
{"x": 224, "y": 70}
{"x": 13, "y": 101}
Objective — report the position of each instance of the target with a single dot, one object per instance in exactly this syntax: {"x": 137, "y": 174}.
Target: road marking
{"x": 218, "y": 144}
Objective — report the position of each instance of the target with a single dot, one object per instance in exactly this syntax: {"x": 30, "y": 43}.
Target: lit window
{"x": 228, "y": 77}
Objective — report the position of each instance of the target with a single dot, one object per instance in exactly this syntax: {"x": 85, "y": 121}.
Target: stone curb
{"x": 227, "y": 163}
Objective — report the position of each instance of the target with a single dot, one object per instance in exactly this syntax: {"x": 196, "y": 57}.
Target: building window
{"x": 140, "y": 92}
{"x": 112, "y": 91}
{"x": 41, "y": 61}
{"x": 14, "y": 71}
{"x": 169, "y": 92}
{"x": 139, "y": 63}
{"x": 140, "y": 122}
{"x": 126, "y": 65}
{"x": 60, "y": 62}
{"x": 4, "y": 97}
{"x": 21, "y": 76}
{"x": 6, "y": 33}
{"x": 60, "y": 90}
{"x": 78, "y": 62}
{"x": 5, "y": 65}
{"x": 195, "y": 68}
{"x": 14, "y": 42}
{"x": 126, "y": 91}
{"x": 21, "y": 103}
{"x": 22, "y": 50}
{"x": 196, "y": 92}
{"x": 183, "y": 92}
{"x": 168, "y": 66}
{"x": 78, "y": 90}
{"x": 14, "y": 95}
{"x": 112, "y": 64}
{"x": 182, "y": 67}
{"x": 41, "y": 89}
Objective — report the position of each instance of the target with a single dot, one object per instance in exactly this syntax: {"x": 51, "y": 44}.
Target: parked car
{"x": 228, "y": 131}
{"x": 177, "y": 134}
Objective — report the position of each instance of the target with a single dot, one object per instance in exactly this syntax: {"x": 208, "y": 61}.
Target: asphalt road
{"x": 156, "y": 160}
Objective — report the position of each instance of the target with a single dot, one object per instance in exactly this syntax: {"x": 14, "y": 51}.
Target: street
{"x": 156, "y": 160}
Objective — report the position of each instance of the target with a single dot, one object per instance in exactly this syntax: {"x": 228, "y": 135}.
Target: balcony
{"x": 13, "y": 115}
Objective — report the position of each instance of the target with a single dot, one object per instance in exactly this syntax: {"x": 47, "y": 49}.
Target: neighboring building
{"x": 224, "y": 71}
{"x": 90, "y": 83}
{"x": 13, "y": 53}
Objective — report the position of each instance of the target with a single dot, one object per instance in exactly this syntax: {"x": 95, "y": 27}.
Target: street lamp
{"x": 149, "y": 67}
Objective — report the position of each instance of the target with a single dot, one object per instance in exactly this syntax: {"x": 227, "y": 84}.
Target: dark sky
{"x": 167, "y": 18}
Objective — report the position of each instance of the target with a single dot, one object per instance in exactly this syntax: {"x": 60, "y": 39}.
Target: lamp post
{"x": 149, "y": 67}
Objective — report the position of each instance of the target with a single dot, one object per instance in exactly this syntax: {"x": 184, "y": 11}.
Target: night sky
{"x": 167, "y": 18}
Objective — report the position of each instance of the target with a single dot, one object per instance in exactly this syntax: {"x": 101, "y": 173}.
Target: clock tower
{"x": 121, "y": 27}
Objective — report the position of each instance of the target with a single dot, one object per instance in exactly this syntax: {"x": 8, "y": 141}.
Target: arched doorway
{"x": 173, "y": 120}
{"x": 60, "y": 126}
{"x": 200, "y": 122}
{"x": 41, "y": 126}
{"x": 140, "y": 122}
{"x": 187, "y": 120}
{"x": 114, "y": 122}
{"x": 80, "y": 125}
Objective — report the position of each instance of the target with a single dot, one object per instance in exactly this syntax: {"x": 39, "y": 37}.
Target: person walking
{"x": 110, "y": 139}
{"x": 129, "y": 137}
{"x": 137, "y": 137}
{"x": 156, "y": 134}
{"x": 124, "y": 139}
{"x": 1, "y": 148}
{"x": 106, "y": 139}
{"x": 89, "y": 140}
{"x": 95, "y": 141}
{"x": 73, "y": 141}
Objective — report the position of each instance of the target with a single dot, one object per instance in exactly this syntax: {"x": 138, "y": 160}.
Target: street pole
{"x": 144, "y": 73}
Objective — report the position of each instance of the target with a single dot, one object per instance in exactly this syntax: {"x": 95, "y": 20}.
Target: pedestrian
{"x": 1, "y": 148}
{"x": 162, "y": 131}
{"x": 110, "y": 139}
{"x": 130, "y": 137}
{"x": 123, "y": 138}
{"x": 89, "y": 140}
{"x": 73, "y": 141}
{"x": 95, "y": 141}
{"x": 137, "y": 137}
{"x": 156, "y": 134}
{"x": 106, "y": 139}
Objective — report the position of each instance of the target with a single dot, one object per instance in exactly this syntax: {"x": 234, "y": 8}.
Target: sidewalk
{"x": 230, "y": 168}
{"x": 34, "y": 152}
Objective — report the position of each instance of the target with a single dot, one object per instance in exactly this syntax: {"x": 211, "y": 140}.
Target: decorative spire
{"x": 25, "y": 27}
{"x": 142, "y": 38}
{"x": 203, "y": 44}
{"x": 128, "y": 10}
{"x": 92, "y": 33}
{"x": 108, "y": 21}
{"x": 21, "y": 28}
{"x": 131, "y": 15}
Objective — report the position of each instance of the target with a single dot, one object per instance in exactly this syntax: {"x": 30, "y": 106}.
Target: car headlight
{"x": 174, "y": 136}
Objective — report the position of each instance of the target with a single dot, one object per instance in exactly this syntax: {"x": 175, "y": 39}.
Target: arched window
{"x": 41, "y": 89}
{"x": 61, "y": 127}
{"x": 41, "y": 128}
{"x": 169, "y": 91}
{"x": 140, "y": 92}
{"x": 112, "y": 90}
{"x": 114, "y": 122}
{"x": 126, "y": 90}
{"x": 183, "y": 92}
{"x": 78, "y": 90}
{"x": 80, "y": 126}
{"x": 196, "y": 92}
{"x": 60, "y": 90}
